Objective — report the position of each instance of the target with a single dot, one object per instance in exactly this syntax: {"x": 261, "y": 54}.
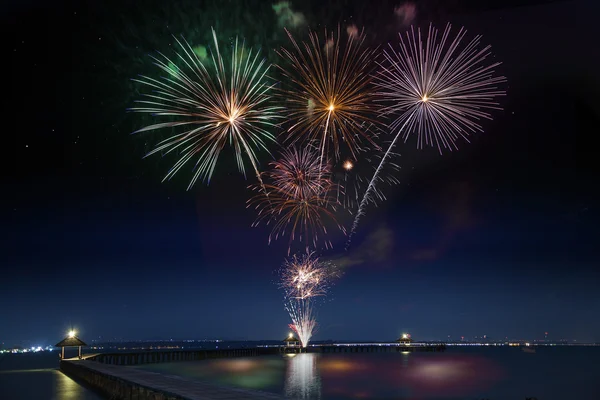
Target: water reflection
{"x": 406, "y": 375}
{"x": 468, "y": 374}
{"x": 66, "y": 388}
{"x": 450, "y": 375}
{"x": 41, "y": 384}
{"x": 302, "y": 377}
{"x": 405, "y": 357}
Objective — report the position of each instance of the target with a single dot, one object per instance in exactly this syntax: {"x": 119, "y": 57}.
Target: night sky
{"x": 498, "y": 238}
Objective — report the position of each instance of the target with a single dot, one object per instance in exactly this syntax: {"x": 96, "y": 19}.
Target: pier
{"x": 362, "y": 348}
{"x": 378, "y": 348}
{"x": 153, "y": 357}
{"x": 109, "y": 375}
{"x": 120, "y": 383}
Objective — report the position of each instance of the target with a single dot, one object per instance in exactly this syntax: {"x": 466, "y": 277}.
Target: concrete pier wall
{"x": 111, "y": 386}
{"x": 118, "y": 382}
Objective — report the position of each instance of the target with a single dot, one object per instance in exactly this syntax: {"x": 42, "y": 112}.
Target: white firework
{"x": 438, "y": 90}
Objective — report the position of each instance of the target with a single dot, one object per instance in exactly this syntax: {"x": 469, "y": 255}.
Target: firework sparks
{"x": 296, "y": 173}
{"x": 331, "y": 95}
{"x": 303, "y": 321}
{"x": 438, "y": 90}
{"x": 299, "y": 197}
{"x": 212, "y": 106}
{"x": 303, "y": 279}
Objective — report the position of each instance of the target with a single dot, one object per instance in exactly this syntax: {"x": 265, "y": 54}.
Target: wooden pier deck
{"x": 153, "y": 385}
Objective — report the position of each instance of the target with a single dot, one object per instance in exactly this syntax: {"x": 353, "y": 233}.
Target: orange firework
{"x": 330, "y": 98}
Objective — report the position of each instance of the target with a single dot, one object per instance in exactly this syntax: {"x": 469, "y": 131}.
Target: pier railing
{"x": 378, "y": 348}
{"x": 152, "y": 357}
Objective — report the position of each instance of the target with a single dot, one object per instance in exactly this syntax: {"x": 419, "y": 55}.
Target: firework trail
{"x": 437, "y": 90}
{"x": 303, "y": 321}
{"x": 299, "y": 198}
{"x": 303, "y": 279}
{"x": 331, "y": 96}
{"x": 208, "y": 108}
{"x": 353, "y": 176}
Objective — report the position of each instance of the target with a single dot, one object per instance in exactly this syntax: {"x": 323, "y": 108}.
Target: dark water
{"x": 552, "y": 373}
{"x": 36, "y": 377}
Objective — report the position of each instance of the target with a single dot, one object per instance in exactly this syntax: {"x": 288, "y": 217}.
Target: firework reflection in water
{"x": 302, "y": 377}
{"x": 304, "y": 279}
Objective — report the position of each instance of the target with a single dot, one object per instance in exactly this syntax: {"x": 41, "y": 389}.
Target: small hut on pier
{"x": 404, "y": 339}
{"x": 291, "y": 341}
{"x": 70, "y": 341}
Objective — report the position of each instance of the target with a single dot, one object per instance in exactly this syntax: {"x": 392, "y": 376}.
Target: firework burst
{"x": 330, "y": 97}
{"x": 303, "y": 279}
{"x": 208, "y": 107}
{"x": 307, "y": 276}
{"x": 297, "y": 174}
{"x": 299, "y": 197}
{"x": 438, "y": 90}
